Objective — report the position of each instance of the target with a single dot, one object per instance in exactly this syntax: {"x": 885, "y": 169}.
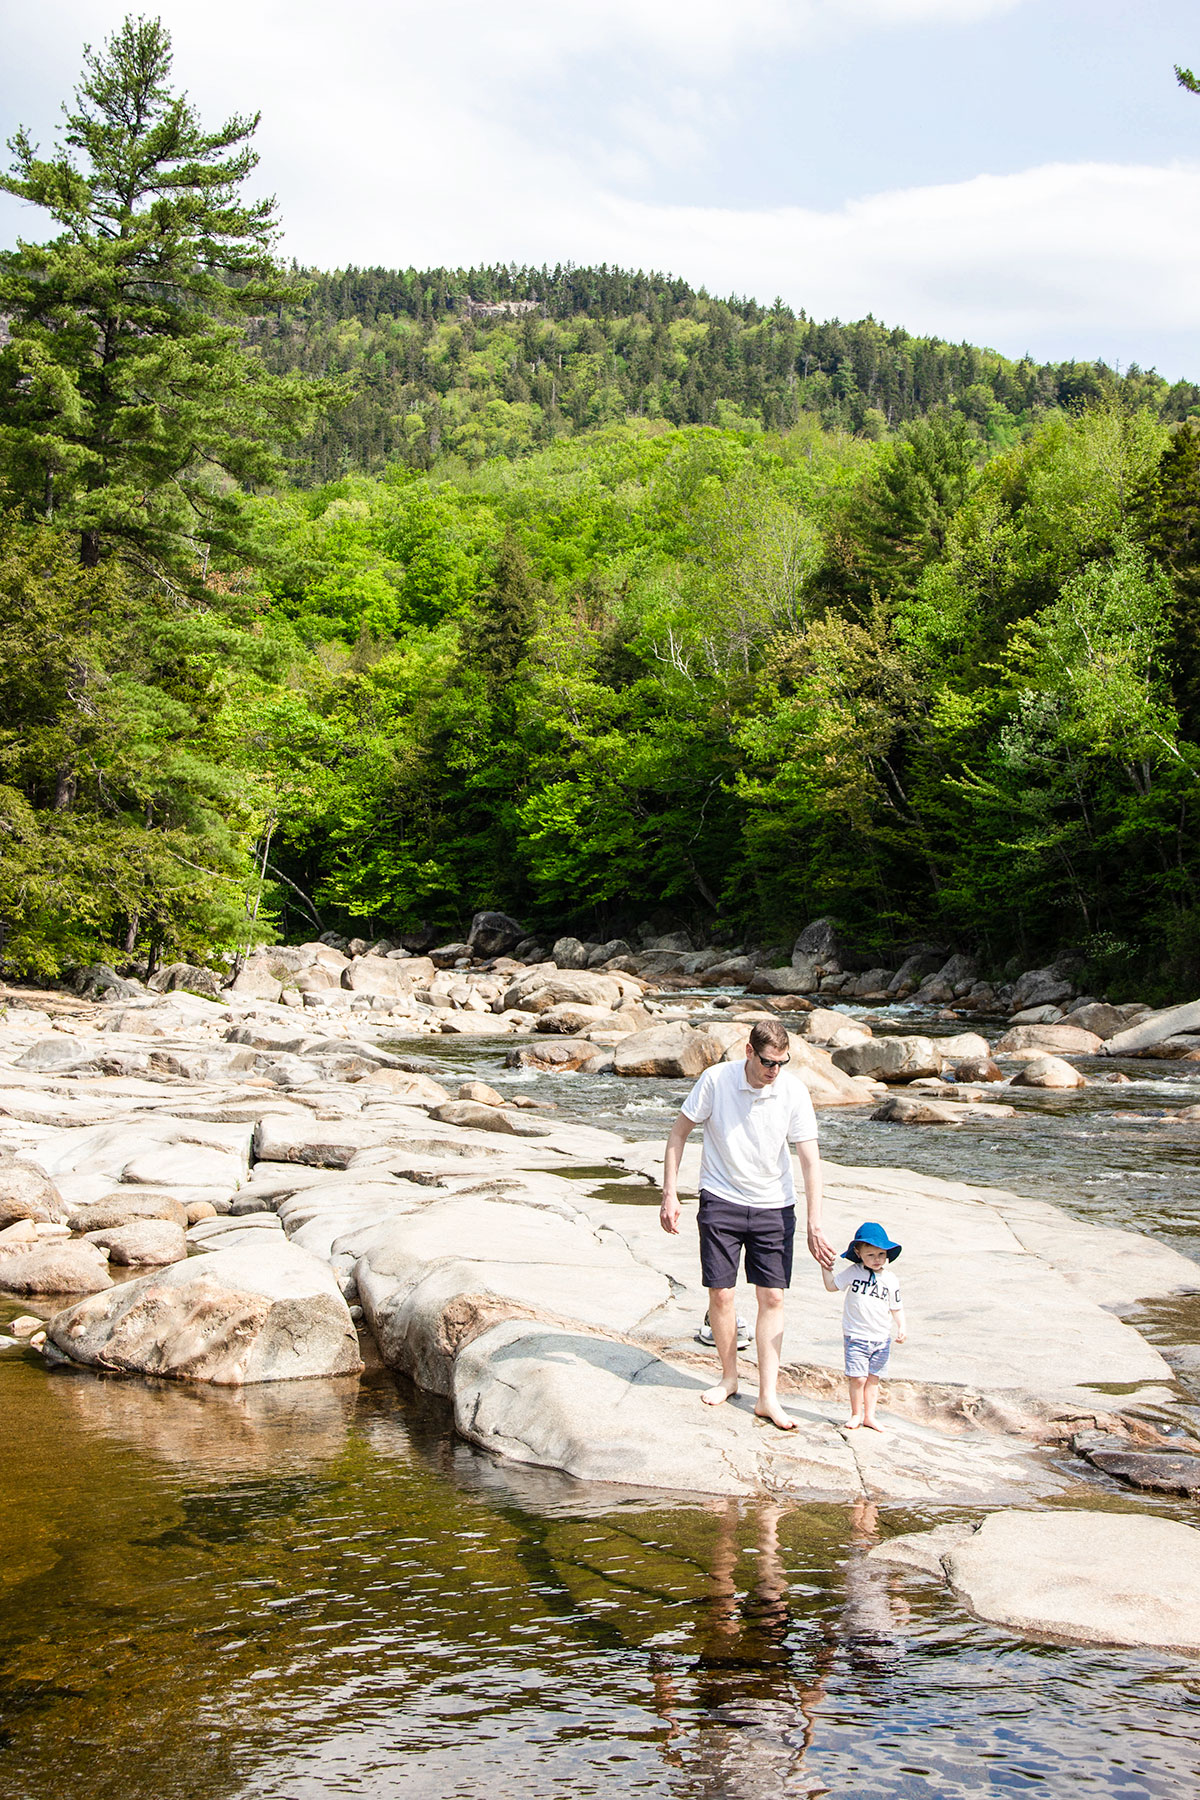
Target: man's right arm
{"x": 668, "y": 1214}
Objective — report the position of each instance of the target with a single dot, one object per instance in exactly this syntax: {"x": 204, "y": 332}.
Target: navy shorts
{"x": 764, "y": 1232}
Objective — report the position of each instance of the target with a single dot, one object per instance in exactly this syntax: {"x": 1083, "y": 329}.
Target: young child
{"x": 872, "y": 1306}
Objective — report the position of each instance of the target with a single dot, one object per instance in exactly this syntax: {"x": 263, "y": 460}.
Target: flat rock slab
{"x": 1091, "y": 1577}
{"x": 602, "y": 1410}
{"x": 107, "y": 1149}
{"x": 1158, "y": 1472}
{"x": 149, "y": 1242}
{"x": 263, "y": 1311}
{"x": 321, "y": 1143}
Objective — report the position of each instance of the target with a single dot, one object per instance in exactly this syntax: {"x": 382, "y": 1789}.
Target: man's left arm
{"x": 809, "y": 1157}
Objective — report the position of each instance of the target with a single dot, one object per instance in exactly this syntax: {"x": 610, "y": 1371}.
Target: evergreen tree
{"x": 130, "y": 409}
{"x": 1172, "y": 529}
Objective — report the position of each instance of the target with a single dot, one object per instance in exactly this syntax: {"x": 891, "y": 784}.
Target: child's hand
{"x": 900, "y": 1336}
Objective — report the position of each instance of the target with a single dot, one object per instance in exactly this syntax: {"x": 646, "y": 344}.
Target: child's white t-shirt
{"x": 870, "y": 1301}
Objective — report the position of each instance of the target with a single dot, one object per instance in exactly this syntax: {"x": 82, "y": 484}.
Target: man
{"x": 751, "y": 1112}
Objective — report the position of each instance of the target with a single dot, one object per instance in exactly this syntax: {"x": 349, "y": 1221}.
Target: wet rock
{"x": 1160, "y": 1472}
{"x": 560, "y": 1054}
{"x": 1049, "y": 1072}
{"x": 904, "y": 1109}
{"x": 149, "y": 1241}
{"x": 671, "y": 1050}
{"x": 484, "y": 1118}
{"x": 1066, "y": 1040}
{"x": 117, "y": 1210}
{"x": 922, "y": 1551}
{"x": 494, "y": 934}
{"x": 27, "y": 1193}
{"x": 264, "y": 1312}
{"x": 62, "y": 1267}
{"x": 978, "y": 1068}
{"x": 1091, "y": 1577}
{"x": 891, "y": 1058}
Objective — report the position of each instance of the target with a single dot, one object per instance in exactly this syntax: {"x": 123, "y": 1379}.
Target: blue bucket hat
{"x": 872, "y": 1234}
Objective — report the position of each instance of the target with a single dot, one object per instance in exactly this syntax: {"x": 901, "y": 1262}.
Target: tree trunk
{"x": 131, "y": 935}
{"x": 89, "y": 549}
{"x": 64, "y": 790}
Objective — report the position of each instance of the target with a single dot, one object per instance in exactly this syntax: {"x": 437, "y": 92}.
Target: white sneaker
{"x": 744, "y": 1337}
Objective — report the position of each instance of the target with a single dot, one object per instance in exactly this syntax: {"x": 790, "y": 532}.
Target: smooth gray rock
{"x": 61, "y": 1266}
{"x": 152, "y": 1242}
{"x": 926, "y": 960}
{"x": 494, "y": 934}
{"x": 1049, "y": 1072}
{"x": 563, "y": 1054}
{"x": 1103, "y": 1019}
{"x": 53, "y": 1053}
{"x": 891, "y": 1058}
{"x": 1041, "y": 987}
{"x": 1152, "y": 1028}
{"x": 1090, "y": 1577}
{"x": 128, "y": 1207}
{"x": 322, "y": 1143}
{"x": 484, "y": 1118}
{"x": 922, "y": 1551}
{"x": 1054, "y": 1040}
{"x": 734, "y": 971}
{"x": 267, "y": 1311}
{"x": 671, "y": 1050}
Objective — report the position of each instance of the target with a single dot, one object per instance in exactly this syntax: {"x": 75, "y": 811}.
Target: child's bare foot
{"x": 715, "y": 1396}
{"x": 853, "y": 1422}
{"x": 775, "y": 1414}
{"x": 874, "y": 1425}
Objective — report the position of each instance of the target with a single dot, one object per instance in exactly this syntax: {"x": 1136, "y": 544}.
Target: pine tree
{"x": 130, "y": 409}
{"x": 1171, "y": 515}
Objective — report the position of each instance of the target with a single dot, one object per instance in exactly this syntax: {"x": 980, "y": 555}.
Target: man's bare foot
{"x": 716, "y": 1396}
{"x": 853, "y": 1422}
{"x": 775, "y": 1415}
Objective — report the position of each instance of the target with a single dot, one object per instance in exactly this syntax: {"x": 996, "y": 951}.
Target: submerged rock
{"x": 1092, "y": 1577}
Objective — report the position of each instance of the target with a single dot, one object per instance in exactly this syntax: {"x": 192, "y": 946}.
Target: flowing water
{"x": 316, "y": 1589}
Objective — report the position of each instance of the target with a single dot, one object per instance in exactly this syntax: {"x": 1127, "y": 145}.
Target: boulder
{"x": 963, "y": 1044}
{"x": 571, "y": 1019}
{"x": 445, "y": 956}
{"x": 1091, "y": 1577}
{"x": 788, "y": 980}
{"x": 401, "y": 1084}
{"x": 148, "y": 1241}
{"x": 1105, "y": 1021}
{"x": 494, "y": 934}
{"x": 1066, "y": 1040}
{"x": 614, "y": 949}
{"x": 818, "y": 941}
{"x": 191, "y": 978}
{"x": 99, "y": 981}
{"x": 672, "y": 1050}
{"x": 27, "y": 1193}
{"x": 924, "y": 960}
{"x": 1049, "y": 1072}
{"x": 1152, "y": 1028}
{"x": 827, "y": 1084}
{"x": 833, "y": 1029}
{"x": 58, "y": 1267}
{"x": 734, "y": 971}
{"x": 321, "y": 1143}
{"x": 677, "y": 942}
{"x": 269, "y": 1311}
{"x": 978, "y": 1068}
{"x": 255, "y": 981}
{"x": 118, "y": 1210}
{"x": 1041, "y": 987}
{"x": 1037, "y": 1015}
{"x": 558, "y": 1054}
{"x": 586, "y": 987}
{"x": 481, "y": 1093}
{"x": 891, "y": 1058}
{"x": 472, "y": 1116}
{"x": 872, "y": 983}
{"x": 570, "y": 953}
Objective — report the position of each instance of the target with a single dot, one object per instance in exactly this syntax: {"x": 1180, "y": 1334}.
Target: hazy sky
{"x": 1022, "y": 173}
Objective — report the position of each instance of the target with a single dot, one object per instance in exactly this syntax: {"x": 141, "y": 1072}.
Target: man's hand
{"x": 668, "y": 1214}
{"x": 820, "y": 1247}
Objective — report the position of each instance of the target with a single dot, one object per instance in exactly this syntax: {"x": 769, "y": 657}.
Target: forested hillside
{"x": 635, "y": 605}
{"x": 480, "y": 363}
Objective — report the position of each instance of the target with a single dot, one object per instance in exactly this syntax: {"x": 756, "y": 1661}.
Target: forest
{"x": 342, "y": 602}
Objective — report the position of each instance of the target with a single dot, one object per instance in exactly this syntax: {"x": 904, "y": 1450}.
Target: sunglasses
{"x": 769, "y": 1063}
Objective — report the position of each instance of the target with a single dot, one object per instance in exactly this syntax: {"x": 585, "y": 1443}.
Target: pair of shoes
{"x": 705, "y": 1336}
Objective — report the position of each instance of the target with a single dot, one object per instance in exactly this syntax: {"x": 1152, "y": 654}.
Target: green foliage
{"x": 130, "y": 410}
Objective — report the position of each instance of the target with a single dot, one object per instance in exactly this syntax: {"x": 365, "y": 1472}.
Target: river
{"x": 317, "y": 1590}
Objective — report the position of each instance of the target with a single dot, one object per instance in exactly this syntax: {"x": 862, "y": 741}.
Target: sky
{"x": 1023, "y": 174}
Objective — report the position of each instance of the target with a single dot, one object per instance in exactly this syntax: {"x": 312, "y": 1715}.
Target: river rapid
{"x": 315, "y": 1589}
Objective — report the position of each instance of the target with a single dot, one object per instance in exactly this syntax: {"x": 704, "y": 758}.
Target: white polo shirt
{"x": 747, "y": 1131}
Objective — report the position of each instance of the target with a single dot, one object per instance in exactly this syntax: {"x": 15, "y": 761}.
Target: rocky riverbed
{"x": 240, "y": 1190}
